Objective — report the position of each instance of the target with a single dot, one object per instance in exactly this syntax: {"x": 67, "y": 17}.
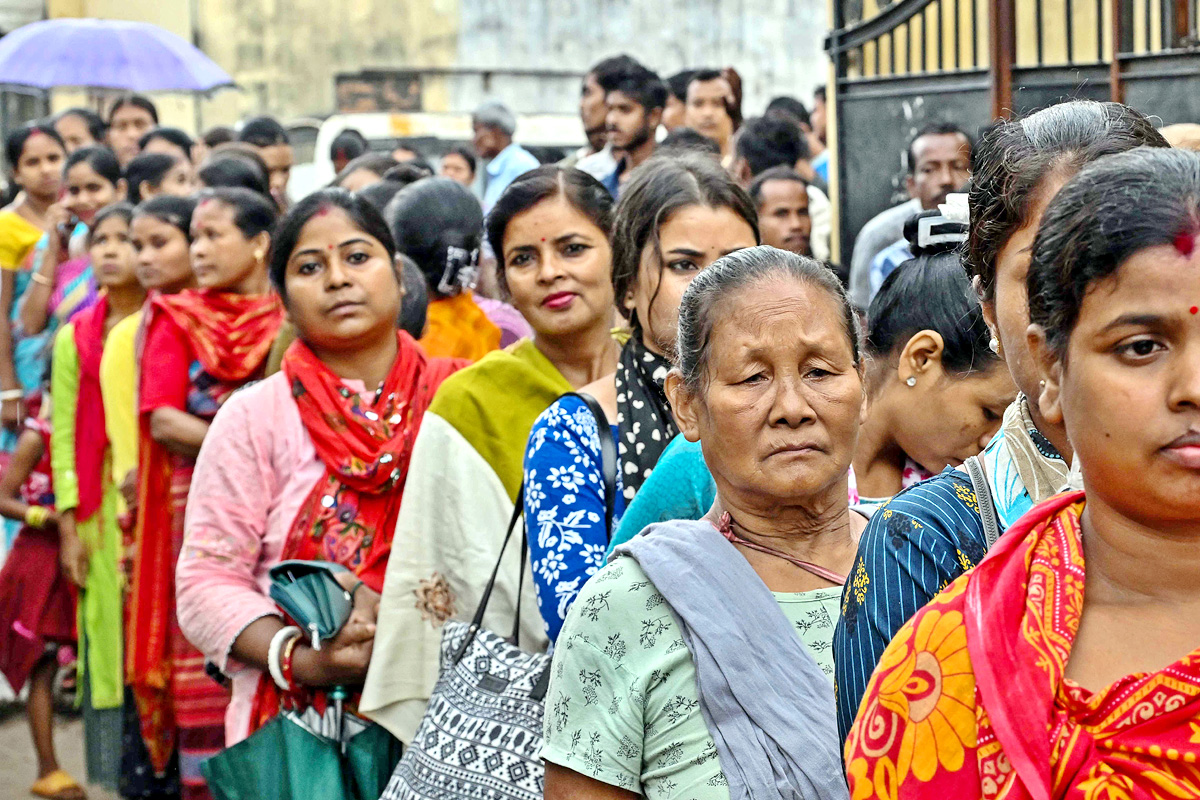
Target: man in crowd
{"x": 635, "y": 107}
{"x": 793, "y": 111}
{"x": 676, "y": 108}
{"x": 709, "y": 97}
{"x": 781, "y": 197}
{"x": 597, "y": 158}
{"x": 494, "y": 127}
{"x": 271, "y": 140}
{"x": 774, "y": 141}
{"x": 347, "y": 146}
{"x": 939, "y": 162}
{"x": 80, "y": 127}
{"x": 817, "y": 144}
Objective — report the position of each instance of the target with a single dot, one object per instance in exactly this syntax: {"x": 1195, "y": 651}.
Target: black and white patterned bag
{"x": 482, "y": 733}
{"x": 481, "y": 737}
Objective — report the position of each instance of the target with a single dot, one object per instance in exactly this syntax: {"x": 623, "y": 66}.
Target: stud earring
{"x": 994, "y": 345}
{"x": 911, "y": 381}
{"x": 258, "y": 255}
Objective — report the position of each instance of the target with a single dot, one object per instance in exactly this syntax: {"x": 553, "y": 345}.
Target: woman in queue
{"x": 323, "y": 446}
{"x": 933, "y": 532}
{"x": 200, "y": 346}
{"x": 1016, "y": 680}
{"x": 37, "y": 606}
{"x": 937, "y": 392}
{"x": 35, "y": 155}
{"x": 674, "y": 219}
{"x": 550, "y": 229}
{"x": 86, "y": 497}
{"x": 769, "y": 380}
{"x": 437, "y": 223}
{"x": 153, "y": 174}
{"x": 161, "y": 237}
{"x": 61, "y": 279}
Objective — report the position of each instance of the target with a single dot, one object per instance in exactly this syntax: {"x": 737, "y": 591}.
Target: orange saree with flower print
{"x": 970, "y": 700}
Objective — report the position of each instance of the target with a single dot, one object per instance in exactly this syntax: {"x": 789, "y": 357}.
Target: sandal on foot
{"x": 58, "y": 785}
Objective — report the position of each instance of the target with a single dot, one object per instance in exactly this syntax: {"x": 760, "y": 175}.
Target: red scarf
{"x": 230, "y": 336}
{"x": 91, "y": 436}
{"x": 349, "y": 517}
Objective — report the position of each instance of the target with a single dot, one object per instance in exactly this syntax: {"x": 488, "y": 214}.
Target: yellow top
{"x": 17, "y": 237}
{"x": 118, "y": 385}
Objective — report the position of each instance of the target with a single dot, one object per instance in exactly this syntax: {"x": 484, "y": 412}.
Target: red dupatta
{"x": 230, "y": 335}
{"x": 349, "y": 517}
{"x": 91, "y": 436}
{"x": 971, "y": 700}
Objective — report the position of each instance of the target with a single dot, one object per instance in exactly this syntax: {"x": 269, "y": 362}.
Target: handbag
{"x": 481, "y": 736}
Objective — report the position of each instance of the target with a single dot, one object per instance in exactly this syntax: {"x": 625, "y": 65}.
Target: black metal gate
{"x": 908, "y": 63}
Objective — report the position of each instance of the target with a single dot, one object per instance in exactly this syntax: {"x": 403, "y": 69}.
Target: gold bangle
{"x": 37, "y": 516}
{"x": 38, "y": 277}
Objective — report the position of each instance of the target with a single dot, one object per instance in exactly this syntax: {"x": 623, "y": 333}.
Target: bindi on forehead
{"x": 1185, "y": 243}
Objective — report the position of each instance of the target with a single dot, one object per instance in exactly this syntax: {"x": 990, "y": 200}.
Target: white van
{"x": 548, "y": 136}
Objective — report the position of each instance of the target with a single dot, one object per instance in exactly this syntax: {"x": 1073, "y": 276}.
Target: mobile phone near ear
{"x": 65, "y": 229}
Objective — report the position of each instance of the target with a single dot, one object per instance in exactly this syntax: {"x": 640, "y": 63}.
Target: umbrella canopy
{"x": 105, "y": 54}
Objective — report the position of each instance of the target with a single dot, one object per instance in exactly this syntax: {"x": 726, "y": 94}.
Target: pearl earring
{"x": 994, "y": 345}
{"x": 911, "y": 381}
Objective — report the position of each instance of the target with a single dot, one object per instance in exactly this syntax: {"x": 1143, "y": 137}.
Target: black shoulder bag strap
{"x": 983, "y": 494}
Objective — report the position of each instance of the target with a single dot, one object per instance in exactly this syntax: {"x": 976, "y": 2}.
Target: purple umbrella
{"x": 105, "y": 54}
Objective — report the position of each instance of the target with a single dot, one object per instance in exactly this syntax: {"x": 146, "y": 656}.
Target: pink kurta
{"x": 254, "y": 471}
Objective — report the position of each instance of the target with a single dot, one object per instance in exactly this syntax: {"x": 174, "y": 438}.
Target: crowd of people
{"x": 790, "y": 530}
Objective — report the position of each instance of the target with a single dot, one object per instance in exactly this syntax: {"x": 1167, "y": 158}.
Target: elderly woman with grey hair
{"x": 652, "y": 693}
{"x": 494, "y": 125}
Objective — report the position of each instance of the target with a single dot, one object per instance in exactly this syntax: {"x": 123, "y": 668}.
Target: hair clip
{"x": 461, "y": 271}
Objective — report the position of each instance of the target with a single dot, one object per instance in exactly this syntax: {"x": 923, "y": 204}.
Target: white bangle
{"x": 12, "y": 394}
{"x": 282, "y": 637}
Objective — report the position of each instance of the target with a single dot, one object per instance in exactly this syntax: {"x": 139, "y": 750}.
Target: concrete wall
{"x": 284, "y": 54}
{"x": 776, "y": 45}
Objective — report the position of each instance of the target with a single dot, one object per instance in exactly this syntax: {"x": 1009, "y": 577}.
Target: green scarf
{"x": 494, "y": 403}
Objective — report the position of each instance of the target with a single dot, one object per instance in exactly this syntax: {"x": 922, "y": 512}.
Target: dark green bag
{"x": 286, "y": 760}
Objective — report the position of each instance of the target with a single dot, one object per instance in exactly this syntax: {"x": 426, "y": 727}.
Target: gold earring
{"x": 258, "y": 255}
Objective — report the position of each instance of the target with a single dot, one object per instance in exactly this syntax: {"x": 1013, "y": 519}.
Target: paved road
{"x": 18, "y": 767}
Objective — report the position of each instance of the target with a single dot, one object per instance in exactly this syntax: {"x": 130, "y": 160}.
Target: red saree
{"x": 970, "y": 699}
{"x": 349, "y": 517}
{"x": 229, "y": 336}
{"x": 91, "y": 437}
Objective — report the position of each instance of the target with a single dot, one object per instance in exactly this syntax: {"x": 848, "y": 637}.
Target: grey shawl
{"x": 768, "y": 706}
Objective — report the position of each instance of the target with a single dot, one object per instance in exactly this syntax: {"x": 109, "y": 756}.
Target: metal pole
{"x": 1117, "y": 93}
{"x": 1002, "y": 45}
